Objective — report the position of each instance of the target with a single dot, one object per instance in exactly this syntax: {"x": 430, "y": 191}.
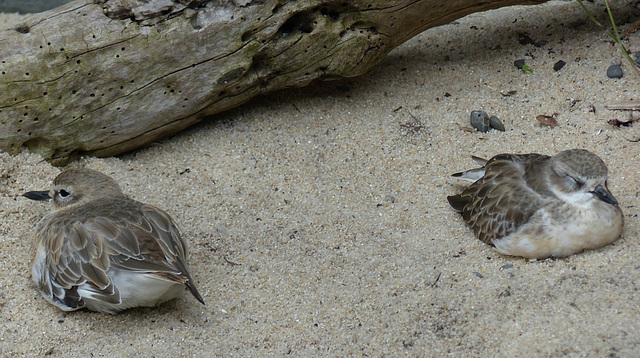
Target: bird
{"x": 100, "y": 250}
{"x": 538, "y": 206}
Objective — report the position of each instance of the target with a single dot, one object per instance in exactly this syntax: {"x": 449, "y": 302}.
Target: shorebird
{"x": 100, "y": 250}
{"x": 537, "y": 206}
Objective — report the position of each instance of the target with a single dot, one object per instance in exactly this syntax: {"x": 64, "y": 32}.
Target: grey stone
{"x": 614, "y": 71}
{"x": 480, "y": 121}
{"x": 495, "y": 123}
{"x": 558, "y": 65}
{"x": 519, "y": 63}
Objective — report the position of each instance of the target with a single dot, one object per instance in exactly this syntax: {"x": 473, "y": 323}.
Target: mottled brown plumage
{"x": 538, "y": 206}
{"x": 101, "y": 250}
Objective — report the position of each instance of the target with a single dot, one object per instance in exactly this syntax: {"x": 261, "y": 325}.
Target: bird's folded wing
{"x": 82, "y": 250}
{"x": 500, "y": 202}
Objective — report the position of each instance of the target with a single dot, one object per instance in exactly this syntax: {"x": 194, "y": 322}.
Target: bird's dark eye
{"x": 63, "y": 193}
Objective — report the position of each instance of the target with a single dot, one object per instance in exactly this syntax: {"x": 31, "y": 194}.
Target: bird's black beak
{"x": 603, "y": 194}
{"x": 37, "y": 195}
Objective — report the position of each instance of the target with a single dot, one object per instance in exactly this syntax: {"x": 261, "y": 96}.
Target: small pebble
{"x": 638, "y": 58}
{"x": 480, "y": 121}
{"x": 495, "y": 123}
{"x": 505, "y": 267}
{"x": 614, "y": 71}
{"x": 558, "y": 65}
{"x": 519, "y": 63}
{"x": 478, "y": 274}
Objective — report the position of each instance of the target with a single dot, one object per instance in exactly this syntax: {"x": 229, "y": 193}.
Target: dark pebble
{"x": 638, "y": 58}
{"x": 495, "y": 123}
{"x": 477, "y": 274}
{"x": 519, "y": 63}
{"x": 505, "y": 267}
{"x": 480, "y": 121}
{"x": 558, "y": 65}
{"x": 614, "y": 71}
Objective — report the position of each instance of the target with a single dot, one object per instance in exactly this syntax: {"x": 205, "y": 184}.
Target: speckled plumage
{"x": 538, "y": 206}
{"x": 103, "y": 251}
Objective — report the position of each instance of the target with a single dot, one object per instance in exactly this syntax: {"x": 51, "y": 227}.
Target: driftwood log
{"x": 106, "y": 76}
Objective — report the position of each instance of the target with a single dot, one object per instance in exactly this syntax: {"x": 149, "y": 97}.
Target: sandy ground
{"x": 318, "y": 219}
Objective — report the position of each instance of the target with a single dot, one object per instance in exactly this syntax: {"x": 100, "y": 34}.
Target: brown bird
{"x": 537, "y": 206}
{"x": 101, "y": 250}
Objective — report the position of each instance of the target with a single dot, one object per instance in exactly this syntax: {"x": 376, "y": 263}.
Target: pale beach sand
{"x": 319, "y": 226}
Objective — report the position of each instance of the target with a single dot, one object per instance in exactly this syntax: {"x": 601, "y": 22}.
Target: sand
{"x": 318, "y": 222}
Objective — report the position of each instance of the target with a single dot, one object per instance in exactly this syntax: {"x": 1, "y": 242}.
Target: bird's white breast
{"x": 562, "y": 230}
{"x": 592, "y": 227}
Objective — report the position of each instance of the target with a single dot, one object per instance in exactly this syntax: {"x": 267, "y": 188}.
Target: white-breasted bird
{"x": 99, "y": 249}
{"x": 539, "y": 206}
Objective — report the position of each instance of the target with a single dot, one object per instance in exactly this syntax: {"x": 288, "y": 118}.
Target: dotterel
{"x": 99, "y": 249}
{"x": 537, "y": 206}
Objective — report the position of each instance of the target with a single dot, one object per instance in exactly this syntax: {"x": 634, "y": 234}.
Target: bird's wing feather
{"x": 72, "y": 255}
{"x": 81, "y": 250}
{"x": 501, "y": 201}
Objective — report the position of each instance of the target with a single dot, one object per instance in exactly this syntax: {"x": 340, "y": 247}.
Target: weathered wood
{"x": 107, "y": 76}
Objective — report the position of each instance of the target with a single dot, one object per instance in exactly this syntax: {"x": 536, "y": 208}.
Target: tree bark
{"x": 106, "y": 76}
